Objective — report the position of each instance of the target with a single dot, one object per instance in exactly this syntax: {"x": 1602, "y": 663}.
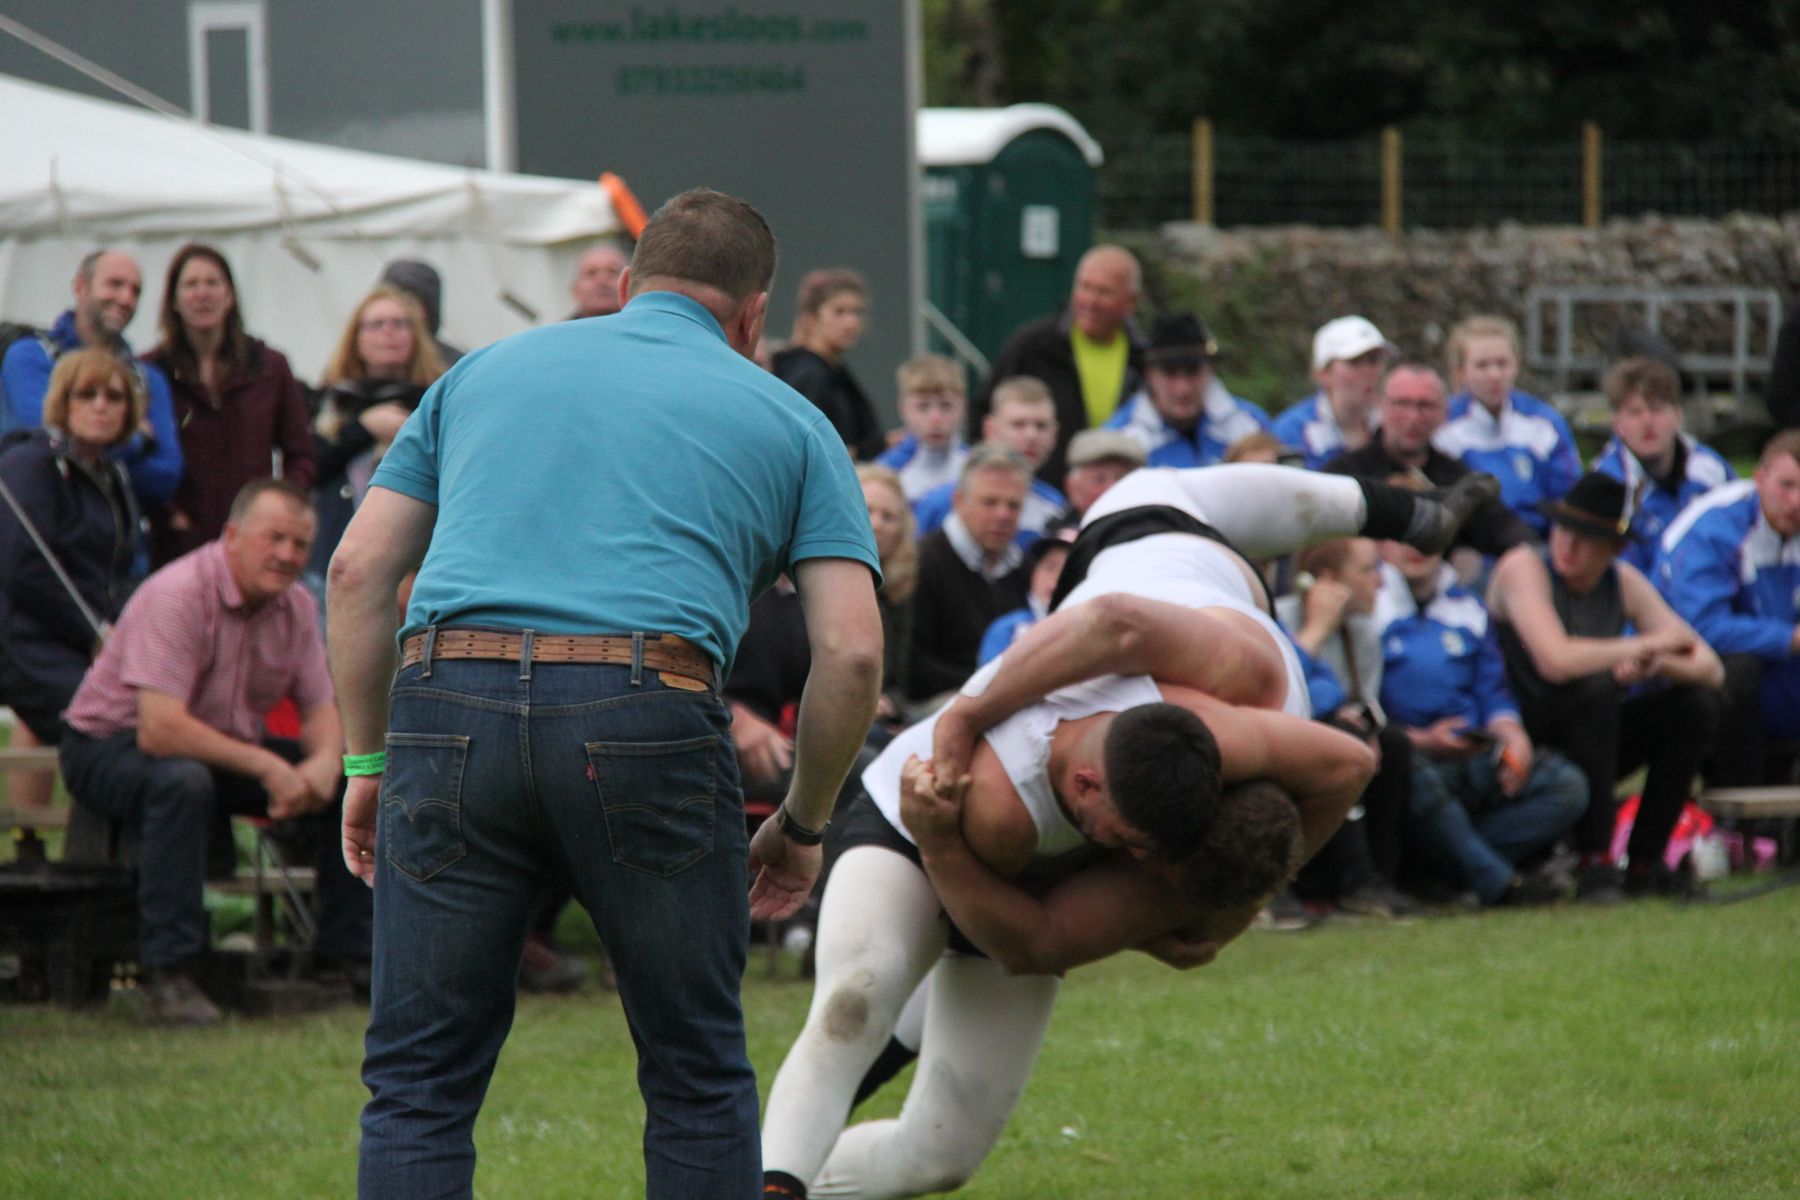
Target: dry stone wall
{"x": 1267, "y": 289}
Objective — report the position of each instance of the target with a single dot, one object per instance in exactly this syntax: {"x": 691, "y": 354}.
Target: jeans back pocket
{"x": 421, "y": 802}
{"x": 657, "y": 798}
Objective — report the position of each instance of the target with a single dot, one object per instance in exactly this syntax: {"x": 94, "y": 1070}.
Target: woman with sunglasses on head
{"x": 239, "y": 410}
{"x": 76, "y": 500}
{"x": 383, "y": 363}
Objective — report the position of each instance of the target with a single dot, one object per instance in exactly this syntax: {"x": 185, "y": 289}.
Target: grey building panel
{"x": 145, "y": 41}
{"x": 394, "y": 76}
{"x": 802, "y": 109}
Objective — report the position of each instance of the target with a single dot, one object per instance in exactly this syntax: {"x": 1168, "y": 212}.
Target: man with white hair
{"x": 1348, "y": 357}
{"x": 1090, "y": 355}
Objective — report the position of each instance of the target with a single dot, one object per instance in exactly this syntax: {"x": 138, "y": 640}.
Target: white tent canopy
{"x": 306, "y": 227}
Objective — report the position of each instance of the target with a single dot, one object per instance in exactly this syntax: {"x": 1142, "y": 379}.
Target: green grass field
{"x": 1649, "y": 1051}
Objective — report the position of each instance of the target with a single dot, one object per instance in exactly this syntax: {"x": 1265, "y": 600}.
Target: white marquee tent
{"x": 306, "y": 227}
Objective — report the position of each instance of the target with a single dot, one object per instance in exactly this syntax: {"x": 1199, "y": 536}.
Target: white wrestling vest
{"x": 1022, "y": 743}
{"x": 1180, "y": 568}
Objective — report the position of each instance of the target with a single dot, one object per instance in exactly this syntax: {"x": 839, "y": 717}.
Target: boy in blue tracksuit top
{"x": 1184, "y": 416}
{"x": 933, "y": 401}
{"x": 1730, "y": 565}
{"x": 1481, "y": 804}
{"x": 1662, "y": 468}
{"x": 1023, "y": 417}
{"x": 1496, "y": 428}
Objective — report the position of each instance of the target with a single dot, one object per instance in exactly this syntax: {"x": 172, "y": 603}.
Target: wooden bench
{"x": 1752, "y": 803}
{"x": 1779, "y": 802}
{"x": 27, "y": 758}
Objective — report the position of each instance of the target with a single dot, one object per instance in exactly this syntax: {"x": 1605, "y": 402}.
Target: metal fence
{"x": 1266, "y": 181}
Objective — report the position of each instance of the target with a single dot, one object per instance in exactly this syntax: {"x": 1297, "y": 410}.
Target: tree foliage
{"x": 1483, "y": 70}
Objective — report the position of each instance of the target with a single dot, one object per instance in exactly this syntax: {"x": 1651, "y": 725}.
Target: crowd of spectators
{"x": 1644, "y": 614}
{"x": 1509, "y": 688}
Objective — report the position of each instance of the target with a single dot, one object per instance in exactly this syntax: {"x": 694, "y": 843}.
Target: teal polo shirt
{"x": 621, "y": 473}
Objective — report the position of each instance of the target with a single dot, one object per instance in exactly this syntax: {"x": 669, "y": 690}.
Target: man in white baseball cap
{"x": 1348, "y": 358}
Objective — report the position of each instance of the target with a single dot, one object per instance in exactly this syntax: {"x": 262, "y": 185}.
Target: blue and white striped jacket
{"x": 1223, "y": 421}
{"x": 1310, "y": 427}
{"x": 1528, "y": 447}
{"x": 1653, "y": 507}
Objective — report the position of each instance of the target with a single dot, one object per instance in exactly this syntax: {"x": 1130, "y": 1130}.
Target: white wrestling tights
{"x": 1263, "y": 510}
{"x": 880, "y": 931}
{"x": 983, "y": 1030}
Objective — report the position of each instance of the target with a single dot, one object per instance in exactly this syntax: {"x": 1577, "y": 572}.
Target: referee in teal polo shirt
{"x": 591, "y": 507}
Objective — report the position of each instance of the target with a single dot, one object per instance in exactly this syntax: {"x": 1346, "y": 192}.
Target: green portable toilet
{"x": 1009, "y": 200}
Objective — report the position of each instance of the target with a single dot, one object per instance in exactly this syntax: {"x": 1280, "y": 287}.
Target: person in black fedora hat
{"x": 1184, "y": 416}
{"x": 1610, "y": 701}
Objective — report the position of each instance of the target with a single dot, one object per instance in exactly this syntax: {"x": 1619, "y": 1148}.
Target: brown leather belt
{"x": 679, "y": 662}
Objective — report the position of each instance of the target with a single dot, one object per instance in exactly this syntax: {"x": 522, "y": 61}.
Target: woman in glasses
{"x": 65, "y": 499}
{"x": 240, "y": 412}
{"x": 382, "y": 365}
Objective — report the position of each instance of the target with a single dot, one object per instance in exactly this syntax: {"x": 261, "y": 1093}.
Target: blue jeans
{"x": 178, "y": 808}
{"x": 502, "y": 783}
{"x": 1463, "y": 821}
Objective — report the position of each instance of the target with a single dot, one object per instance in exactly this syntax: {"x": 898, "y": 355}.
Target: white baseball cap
{"x": 1347, "y": 337}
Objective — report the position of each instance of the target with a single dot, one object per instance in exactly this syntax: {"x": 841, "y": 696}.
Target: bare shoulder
{"x": 1518, "y": 570}
{"x": 995, "y": 824}
{"x": 1192, "y": 699}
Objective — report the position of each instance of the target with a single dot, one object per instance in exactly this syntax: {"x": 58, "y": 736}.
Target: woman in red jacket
{"x": 240, "y": 412}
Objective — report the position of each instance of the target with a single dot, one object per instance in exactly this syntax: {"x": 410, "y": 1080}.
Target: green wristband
{"x": 365, "y": 764}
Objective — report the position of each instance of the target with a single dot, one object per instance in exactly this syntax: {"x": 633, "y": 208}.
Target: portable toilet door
{"x": 1009, "y": 199}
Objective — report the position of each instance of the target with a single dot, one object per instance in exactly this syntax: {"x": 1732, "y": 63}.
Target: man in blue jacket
{"x": 1730, "y": 565}
{"x": 1484, "y": 800}
{"x": 1662, "y": 468}
{"x": 1184, "y": 416}
{"x": 107, "y": 286}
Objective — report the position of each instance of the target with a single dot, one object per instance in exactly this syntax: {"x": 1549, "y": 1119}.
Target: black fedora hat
{"x": 1594, "y": 506}
{"x": 1180, "y": 339}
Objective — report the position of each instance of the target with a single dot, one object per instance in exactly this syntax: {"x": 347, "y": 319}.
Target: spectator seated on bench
{"x": 75, "y": 505}
{"x": 1609, "y": 699}
{"x": 165, "y": 735}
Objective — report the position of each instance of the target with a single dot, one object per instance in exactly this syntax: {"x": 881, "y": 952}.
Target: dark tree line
{"x": 1480, "y": 70}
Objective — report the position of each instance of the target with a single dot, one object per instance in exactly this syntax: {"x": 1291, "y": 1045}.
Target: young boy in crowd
{"x": 933, "y": 400}
{"x": 1022, "y": 416}
{"x": 1662, "y": 468}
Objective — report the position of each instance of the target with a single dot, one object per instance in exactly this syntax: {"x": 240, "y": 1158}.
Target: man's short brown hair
{"x": 1021, "y": 389}
{"x": 1639, "y": 376}
{"x": 1251, "y": 849}
{"x": 709, "y": 238}
{"x": 1786, "y": 442}
{"x": 247, "y": 496}
{"x": 931, "y": 373}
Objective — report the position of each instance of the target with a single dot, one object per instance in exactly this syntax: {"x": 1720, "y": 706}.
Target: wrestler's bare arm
{"x": 1121, "y": 904}
{"x": 1215, "y": 650}
{"x": 1323, "y": 769}
{"x": 1098, "y": 911}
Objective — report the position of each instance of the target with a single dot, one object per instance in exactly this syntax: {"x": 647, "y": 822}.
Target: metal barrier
{"x": 1554, "y": 346}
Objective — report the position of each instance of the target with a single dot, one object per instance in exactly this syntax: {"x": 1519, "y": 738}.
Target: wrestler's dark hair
{"x": 1251, "y": 850}
{"x": 707, "y": 237}
{"x": 1162, "y": 770}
